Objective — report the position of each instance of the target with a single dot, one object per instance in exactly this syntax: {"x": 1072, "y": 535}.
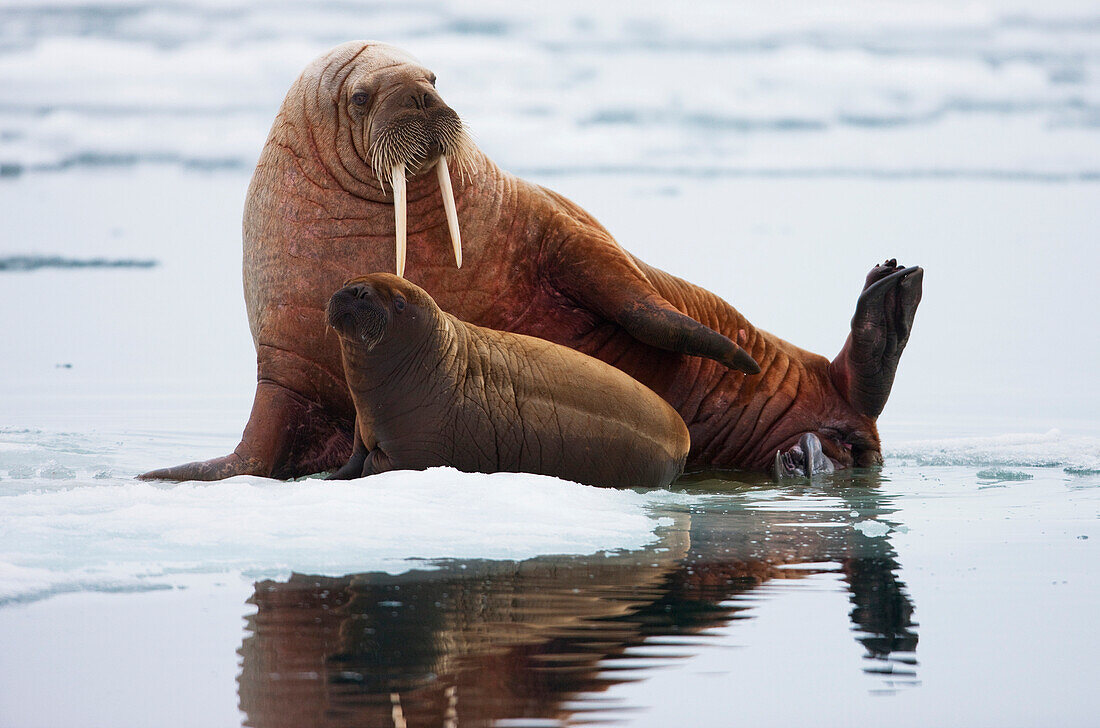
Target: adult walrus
{"x": 364, "y": 152}
{"x": 431, "y": 390}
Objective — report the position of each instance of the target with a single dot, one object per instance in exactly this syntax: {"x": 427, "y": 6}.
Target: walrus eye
{"x": 432, "y": 80}
{"x": 360, "y": 97}
{"x": 399, "y": 304}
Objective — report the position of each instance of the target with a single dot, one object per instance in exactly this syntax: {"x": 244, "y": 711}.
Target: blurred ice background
{"x": 992, "y": 90}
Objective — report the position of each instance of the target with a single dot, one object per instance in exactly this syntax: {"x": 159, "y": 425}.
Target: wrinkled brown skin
{"x": 430, "y": 390}
{"x": 534, "y": 263}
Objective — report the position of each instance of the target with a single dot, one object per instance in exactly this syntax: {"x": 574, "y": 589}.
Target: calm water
{"x": 771, "y": 154}
{"x": 774, "y": 607}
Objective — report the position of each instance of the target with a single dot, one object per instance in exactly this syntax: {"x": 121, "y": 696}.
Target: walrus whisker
{"x": 376, "y": 157}
{"x": 458, "y": 146}
{"x": 449, "y": 208}
{"x": 397, "y": 148}
{"x": 398, "y": 183}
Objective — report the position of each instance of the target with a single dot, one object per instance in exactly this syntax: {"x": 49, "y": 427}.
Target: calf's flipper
{"x": 353, "y": 468}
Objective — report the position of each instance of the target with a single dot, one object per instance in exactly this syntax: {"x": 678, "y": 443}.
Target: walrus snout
{"x": 400, "y": 126}
{"x": 412, "y": 131}
{"x": 358, "y": 313}
{"x": 418, "y": 96}
{"x": 414, "y": 127}
{"x": 805, "y": 459}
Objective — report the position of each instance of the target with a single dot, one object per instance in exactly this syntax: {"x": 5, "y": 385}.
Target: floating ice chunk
{"x": 872, "y": 529}
{"x": 1035, "y": 450}
{"x": 20, "y": 584}
{"x": 1004, "y": 474}
{"x": 56, "y": 471}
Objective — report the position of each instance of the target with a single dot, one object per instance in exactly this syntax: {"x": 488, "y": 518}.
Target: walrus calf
{"x": 430, "y": 389}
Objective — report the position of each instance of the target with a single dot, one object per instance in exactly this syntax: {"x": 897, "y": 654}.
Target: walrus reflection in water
{"x": 366, "y": 167}
{"x": 541, "y": 641}
{"x": 430, "y": 390}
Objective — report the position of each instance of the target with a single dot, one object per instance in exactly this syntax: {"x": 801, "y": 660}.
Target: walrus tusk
{"x": 449, "y": 207}
{"x": 397, "y": 179}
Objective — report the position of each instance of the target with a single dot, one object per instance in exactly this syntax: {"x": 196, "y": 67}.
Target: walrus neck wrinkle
{"x": 329, "y": 128}
{"x": 801, "y": 401}
{"x": 750, "y": 409}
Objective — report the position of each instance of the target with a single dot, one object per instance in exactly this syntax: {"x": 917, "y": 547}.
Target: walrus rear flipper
{"x": 608, "y": 282}
{"x": 217, "y": 469}
{"x": 286, "y": 437}
{"x": 864, "y": 369}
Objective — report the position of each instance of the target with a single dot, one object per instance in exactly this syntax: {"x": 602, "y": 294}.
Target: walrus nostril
{"x": 416, "y": 98}
{"x": 358, "y": 291}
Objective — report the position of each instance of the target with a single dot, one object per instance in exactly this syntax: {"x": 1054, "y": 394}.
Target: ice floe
{"x": 120, "y": 534}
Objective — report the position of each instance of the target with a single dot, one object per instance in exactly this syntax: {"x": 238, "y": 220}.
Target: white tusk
{"x": 398, "y": 181}
{"x": 449, "y": 207}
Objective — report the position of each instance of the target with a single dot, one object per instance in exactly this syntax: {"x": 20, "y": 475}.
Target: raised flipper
{"x": 286, "y": 436}
{"x": 864, "y": 369}
{"x": 594, "y": 271}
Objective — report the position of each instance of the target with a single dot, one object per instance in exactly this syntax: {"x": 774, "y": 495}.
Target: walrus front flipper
{"x": 608, "y": 282}
{"x": 864, "y": 369}
{"x": 286, "y": 437}
{"x": 654, "y": 321}
{"x": 353, "y": 468}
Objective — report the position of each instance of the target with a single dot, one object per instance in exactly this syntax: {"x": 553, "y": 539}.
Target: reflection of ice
{"x": 20, "y": 584}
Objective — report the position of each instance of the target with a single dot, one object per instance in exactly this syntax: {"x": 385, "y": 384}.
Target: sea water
{"x": 771, "y": 154}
